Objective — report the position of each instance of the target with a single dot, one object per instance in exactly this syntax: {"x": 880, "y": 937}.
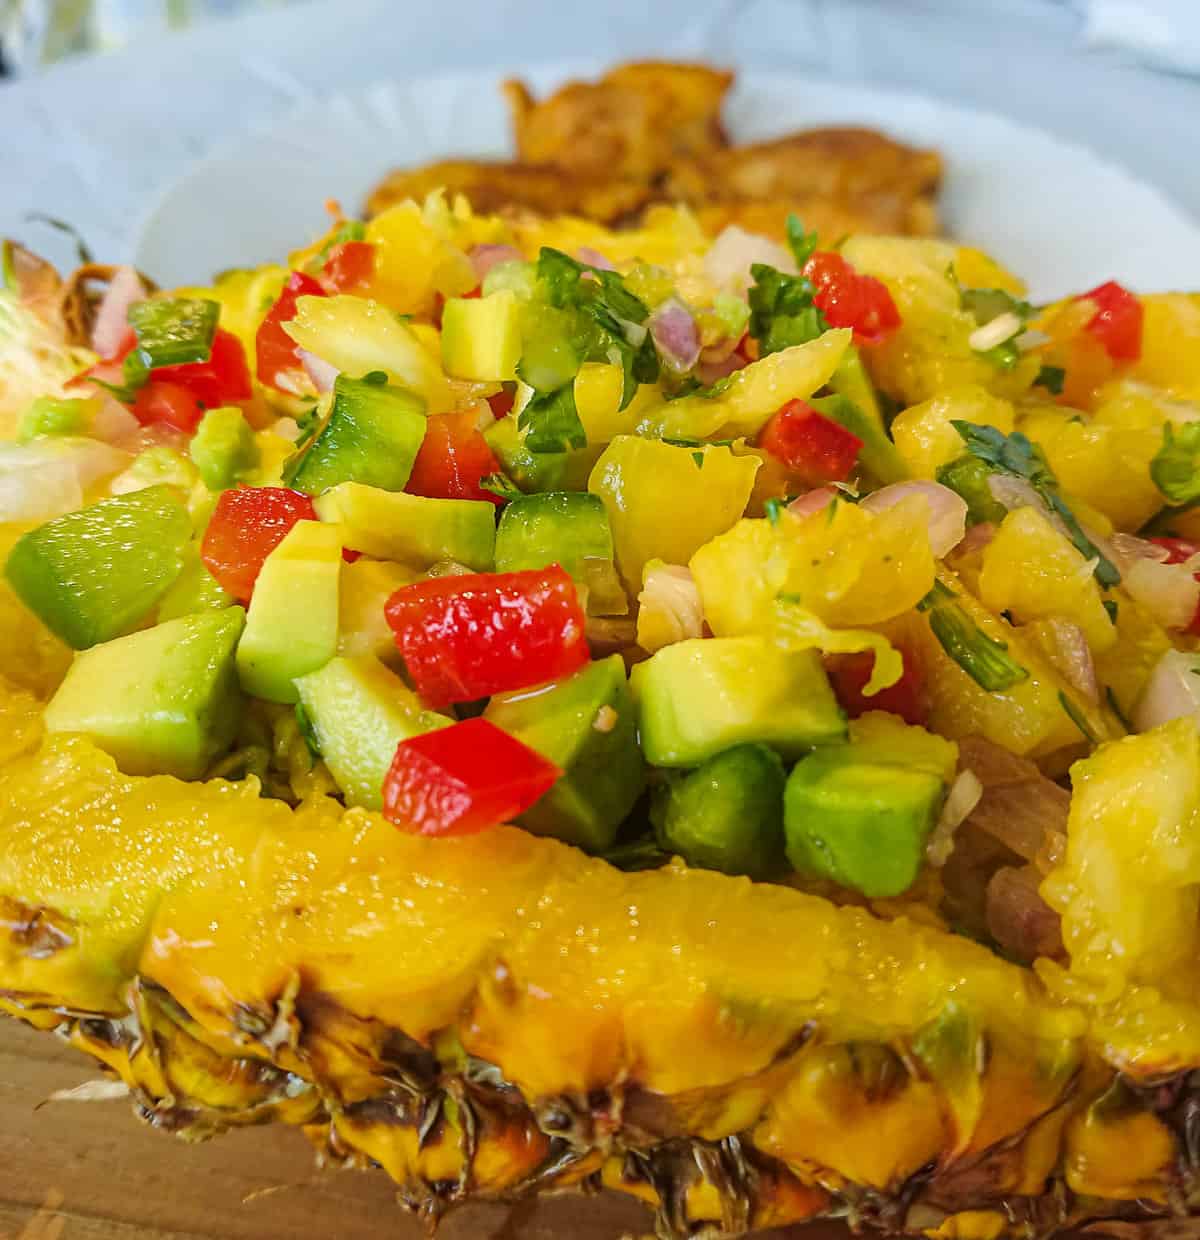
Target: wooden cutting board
{"x": 89, "y": 1171}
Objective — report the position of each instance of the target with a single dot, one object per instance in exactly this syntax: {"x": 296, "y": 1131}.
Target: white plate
{"x": 1057, "y": 213}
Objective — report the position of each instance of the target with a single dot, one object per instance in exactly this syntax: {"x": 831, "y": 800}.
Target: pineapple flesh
{"x": 499, "y": 1014}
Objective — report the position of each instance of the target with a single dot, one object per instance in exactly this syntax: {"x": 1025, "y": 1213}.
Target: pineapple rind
{"x": 500, "y": 1014}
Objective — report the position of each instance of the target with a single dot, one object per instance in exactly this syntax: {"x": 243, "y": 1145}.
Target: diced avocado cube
{"x": 481, "y": 337}
{"x": 360, "y": 711}
{"x": 362, "y": 625}
{"x": 223, "y": 448}
{"x": 163, "y": 700}
{"x": 195, "y": 589}
{"x": 555, "y": 527}
{"x": 92, "y": 575}
{"x": 861, "y": 823}
{"x": 372, "y": 435}
{"x": 568, "y": 528}
{"x": 586, "y": 725}
{"x": 57, "y": 415}
{"x": 727, "y": 814}
{"x": 292, "y": 625}
{"x": 531, "y": 471}
{"x": 413, "y": 529}
{"x": 702, "y": 695}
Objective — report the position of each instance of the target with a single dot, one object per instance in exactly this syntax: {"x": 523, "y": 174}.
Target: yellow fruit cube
{"x": 924, "y": 435}
{"x": 1031, "y": 571}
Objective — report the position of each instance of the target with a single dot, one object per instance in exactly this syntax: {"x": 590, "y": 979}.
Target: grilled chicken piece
{"x": 877, "y": 184}
{"x": 635, "y": 122}
{"x": 494, "y": 186}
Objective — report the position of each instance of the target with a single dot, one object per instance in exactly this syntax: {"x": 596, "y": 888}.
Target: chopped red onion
{"x": 485, "y": 257}
{"x": 947, "y": 511}
{"x": 730, "y": 256}
{"x": 1172, "y": 692}
{"x": 977, "y": 537}
{"x": 676, "y": 335}
{"x": 1013, "y": 493}
{"x": 318, "y": 370}
{"x": 593, "y": 258}
{"x": 812, "y": 501}
{"x": 112, "y": 315}
{"x": 1072, "y": 656}
{"x": 1169, "y": 592}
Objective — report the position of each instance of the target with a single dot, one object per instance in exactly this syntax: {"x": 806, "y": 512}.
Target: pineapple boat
{"x": 541, "y": 708}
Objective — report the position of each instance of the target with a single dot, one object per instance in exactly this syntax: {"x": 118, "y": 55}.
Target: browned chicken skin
{"x": 651, "y": 131}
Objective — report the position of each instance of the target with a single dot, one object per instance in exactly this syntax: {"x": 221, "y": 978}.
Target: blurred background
{"x": 116, "y": 112}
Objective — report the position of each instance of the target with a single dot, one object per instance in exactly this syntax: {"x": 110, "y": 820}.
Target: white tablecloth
{"x": 94, "y": 141}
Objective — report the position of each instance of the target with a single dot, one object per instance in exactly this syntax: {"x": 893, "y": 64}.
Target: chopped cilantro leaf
{"x": 608, "y": 321}
{"x": 552, "y": 421}
{"x": 1176, "y": 466}
{"x": 1076, "y": 717}
{"x": 782, "y": 312}
{"x": 1052, "y": 379}
{"x": 1015, "y": 454}
{"x": 773, "y": 507}
{"x": 802, "y": 243}
{"x": 501, "y": 485}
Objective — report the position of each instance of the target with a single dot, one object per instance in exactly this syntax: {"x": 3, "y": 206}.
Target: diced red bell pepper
{"x": 349, "y": 265}
{"x": 1178, "y": 549}
{"x": 247, "y": 524}
{"x": 452, "y": 459}
{"x": 223, "y": 380}
{"x": 465, "y": 638}
{"x": 160, "y": 402}
{"x": 810, "y": 444}
{"x": 463, "y": 779}
{"x": 847, "y": 298}
{"x": 1117, "y": 323}
{"x": 501, "y": 404}
{"x": 849, "y": 674}
{"x": 276, "y": 353}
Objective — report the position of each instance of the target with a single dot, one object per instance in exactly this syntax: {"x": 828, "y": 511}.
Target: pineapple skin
{"x": 500, "y": 1015}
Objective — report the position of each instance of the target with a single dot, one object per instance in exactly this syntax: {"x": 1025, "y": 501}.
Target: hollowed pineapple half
{"x": 499, "y": 1015}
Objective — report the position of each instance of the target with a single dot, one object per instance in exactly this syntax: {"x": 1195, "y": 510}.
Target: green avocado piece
{"x": 94, "y": 574}
{"x": 481, "y": 337}
{"x": 569, "y": 528}
{"x": 223, "y": 448}
{"x": 412, "y": 529}
{"x": 372, "y": 435}
{"x": 162, "y": 701}
{"x": 555, "y": 527}
{"x": 292, "y": 624}
{"x": 195, "y": 589}
{"x": 360, "y": 711}
{"x": 586, "y": 726}
{"x": 727, "y": 814}
{"x": 862, "y": 823}
{"x": 702, "y": 695}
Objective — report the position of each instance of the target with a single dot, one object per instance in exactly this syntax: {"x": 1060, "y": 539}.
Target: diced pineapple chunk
{"x": 847, "y": 565}
{"x": 925, "y": 437}
{"x": 1129, "y": 886}
{"x": 930, "y": 353}
{"x": 1105, "y": 459}
{"x": 1028, "y": 718}
{"x": 1031, "y": 570}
